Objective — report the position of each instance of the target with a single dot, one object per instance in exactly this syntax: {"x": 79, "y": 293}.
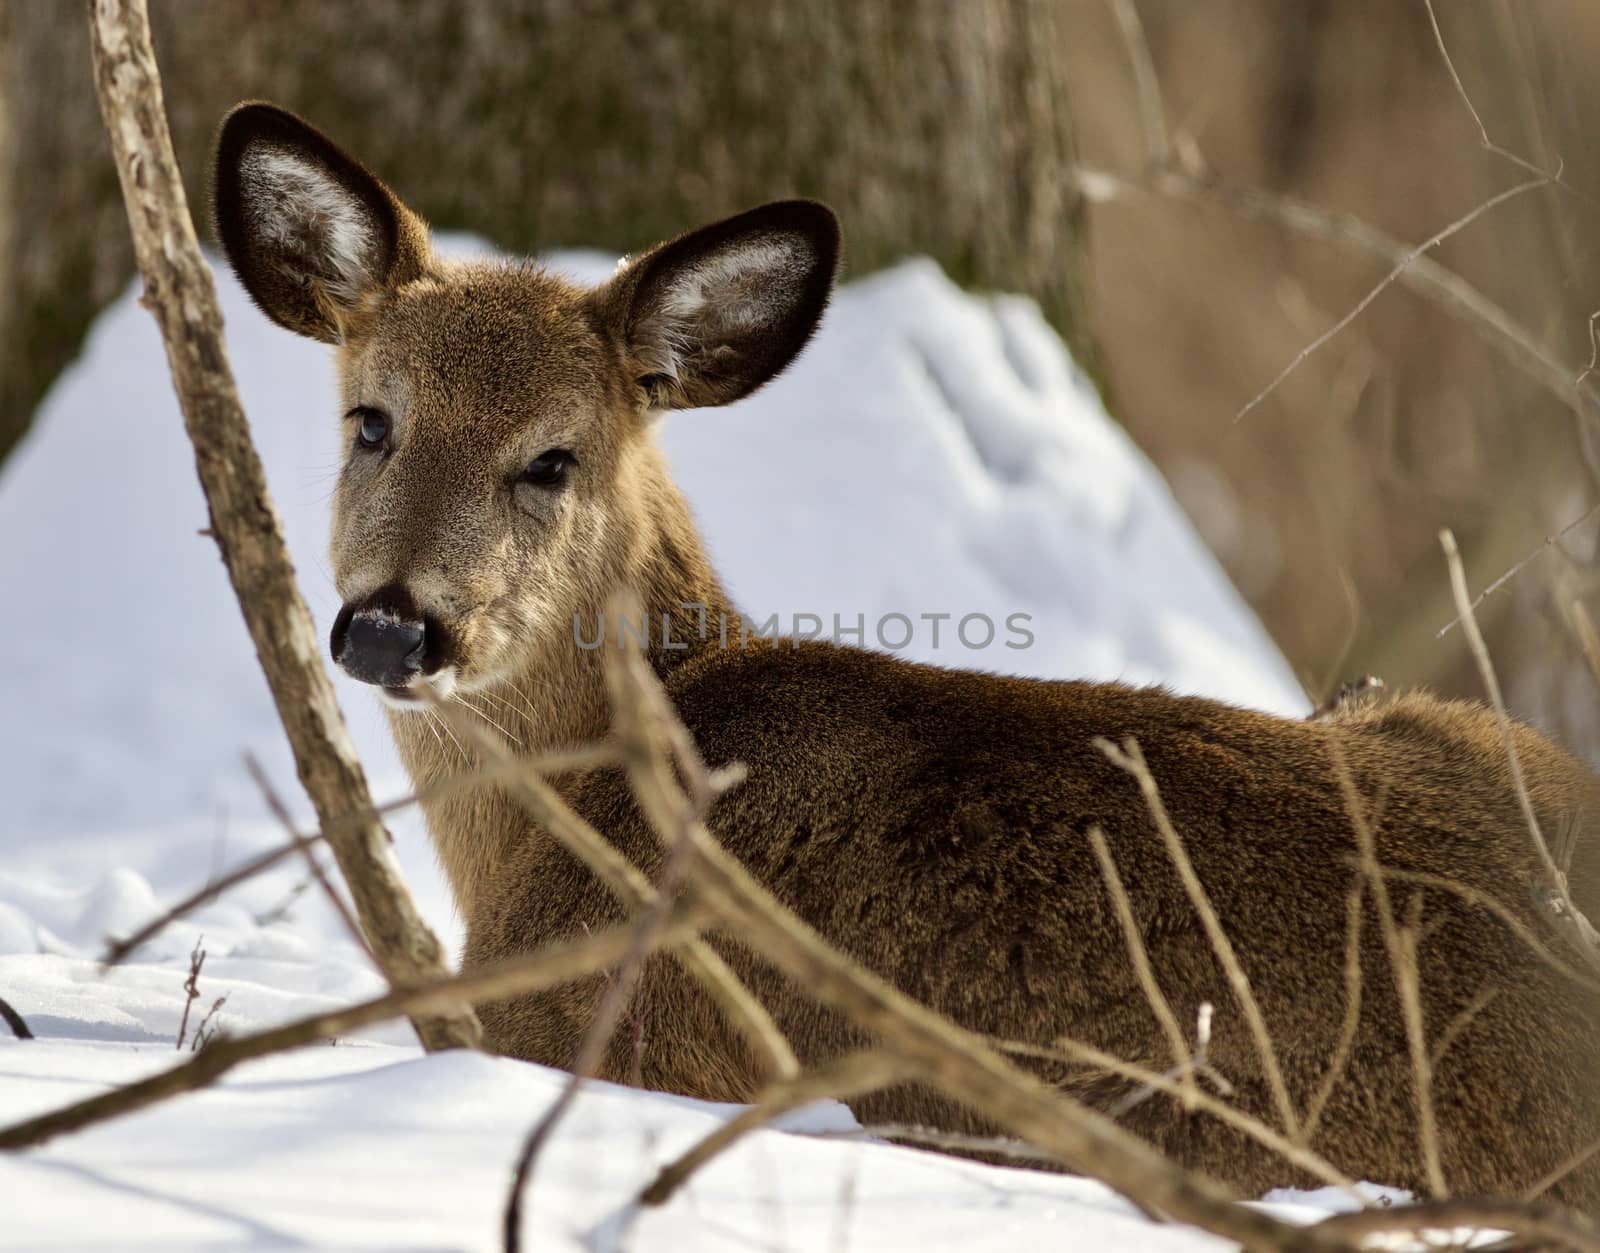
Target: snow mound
{"x": 932, "y": 453}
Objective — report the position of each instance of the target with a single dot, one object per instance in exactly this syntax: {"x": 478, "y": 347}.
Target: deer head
{"x": 500, "y": 474}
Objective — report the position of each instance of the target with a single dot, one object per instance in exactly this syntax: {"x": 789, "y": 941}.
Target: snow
{"x": 933, "y": 452}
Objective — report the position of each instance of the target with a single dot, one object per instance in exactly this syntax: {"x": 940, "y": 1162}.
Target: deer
{"x": 501, "y": 478}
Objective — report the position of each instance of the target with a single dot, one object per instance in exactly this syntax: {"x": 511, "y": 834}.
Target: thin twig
{"x": 1557, "y": 903}
{"x": 597, "y": 1038}
{"x": 1540, "y": 1222}
{"x": 934, "y": 1137}
{"x": 1405, "y": 262}
{"x": 515, "y": 976}
{"x": 1422, "y": 275}
{"x": 191, "y": 989}
{"x": 304, "y": 846}
{"x": 1406, "y": 987}
{"x": 204, "y": 1032}
{"x": 1352, "y": 1011}
{"x": 1477, "y": 118}
{"x": 1159, "y": 1005}
{"x": 1408, "y": 982}
{"x": 840, "y": 1079}
{"x": 1457, "y": 1025}
{"x": 1066, "y": 1049}
{"x": 1525, "y": 933}
{"x": 633, "y": 890}
{"x": 1575, "y": 1162}
{"x": 1588, "y": 637}
{"x": 14, "y": 1020}
{"x": 589, "y": 758}
{"x": 1130, "y": 757}
{"x": 1549, "y": 542}
{"x": 1146, "y": 84}
{"x": 1198, "y": 1066}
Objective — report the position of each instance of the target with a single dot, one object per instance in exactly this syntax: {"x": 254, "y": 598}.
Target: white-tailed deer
{"x": 501, "y": 479}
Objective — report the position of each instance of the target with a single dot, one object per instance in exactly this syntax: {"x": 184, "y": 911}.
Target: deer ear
{"x": 714, "y": 314}
{"x": 312, "y": 235}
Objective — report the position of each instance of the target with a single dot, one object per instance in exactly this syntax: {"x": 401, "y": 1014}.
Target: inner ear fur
{"x": 712, "y": 315}
{"x": 312, "y": 234}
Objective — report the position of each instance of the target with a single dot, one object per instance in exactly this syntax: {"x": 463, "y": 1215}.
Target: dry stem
{"x": 1352, "y": 1011}
{"x": 1067, "y": 1049}
{"x": 591, "y": 1051}
{"x": 516, "y": 976}
{"x": 1528, "y": 1221}
{"x": 117, "y": 951}
{"x": 1130, "y": 757}
{"x": 840, "y": 1079}
{"x": 14, "y": 1020}
{"x": 303, "y": 845}
{"x": 178, "y": 290}
{"x": 191, "y": 989}
{"x": 1420, "y": 274}
{"x": 628, "y": 884}
{"x": 1159, "y": 1005}
{"x": 1405, "y": 974}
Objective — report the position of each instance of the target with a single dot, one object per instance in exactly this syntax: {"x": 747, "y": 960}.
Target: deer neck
{"x": 557, "y": 699}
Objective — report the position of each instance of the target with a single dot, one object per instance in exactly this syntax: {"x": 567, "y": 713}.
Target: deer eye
{"x": 373, "y": 428}
{"x": 548, "y": 469}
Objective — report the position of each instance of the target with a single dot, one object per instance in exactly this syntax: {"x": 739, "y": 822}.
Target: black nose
{"x": 377, "y": 645}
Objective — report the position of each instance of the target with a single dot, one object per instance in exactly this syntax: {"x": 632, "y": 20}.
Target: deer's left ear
{"x": 714, "y": 314}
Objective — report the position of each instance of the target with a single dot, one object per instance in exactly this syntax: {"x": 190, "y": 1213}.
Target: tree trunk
{"x": 933, "y": 127}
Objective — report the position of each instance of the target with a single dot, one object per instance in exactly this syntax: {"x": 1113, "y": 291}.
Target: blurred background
{"x": 1012, "y": 141}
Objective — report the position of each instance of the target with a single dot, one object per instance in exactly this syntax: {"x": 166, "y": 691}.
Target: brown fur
{"x": 932, "y": 823}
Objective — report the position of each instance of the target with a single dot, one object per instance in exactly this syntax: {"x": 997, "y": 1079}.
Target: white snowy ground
{"x": 932, "y": 452}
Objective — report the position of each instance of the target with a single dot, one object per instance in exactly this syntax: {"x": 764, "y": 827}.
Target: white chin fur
{"x": 442, "y": 686}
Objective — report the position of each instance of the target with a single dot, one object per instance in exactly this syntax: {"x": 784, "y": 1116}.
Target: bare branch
{"x": 1130, "y": 757}
{"x": 178, "y": 290}
{"x": 1404, "y": 263}
{"x": 515, "y": 976}
{"x": 628, "y": 884}
{"x": 191, "y": 989}
{"x": 1404, "y": 972}
{"x": 1422, "y": 275}
{"x": 1159, "y": 1005}
{"x": 304, "y": 847}
{"x": 619, "y": 992}
{"x": 1298, "y": 1155}
{"x": 117, "y": 951}
{"x": 840, "y": 1079}
{"x": 14, "y": 1020}
{"x": 1146, "y": 84}
{"x": 1352, "y": 1011}
{"x": 1540, "y": 1222}
{"x": 1555, "y": 901}
{"x": 1549, "y": 542}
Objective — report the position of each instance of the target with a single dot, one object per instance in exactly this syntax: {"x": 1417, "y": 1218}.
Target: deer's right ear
{"x": 313, "y": 236}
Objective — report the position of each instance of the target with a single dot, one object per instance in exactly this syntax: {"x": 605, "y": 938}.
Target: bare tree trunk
{"x": 933, "y": 127}
{"x": 179, "y": 292}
